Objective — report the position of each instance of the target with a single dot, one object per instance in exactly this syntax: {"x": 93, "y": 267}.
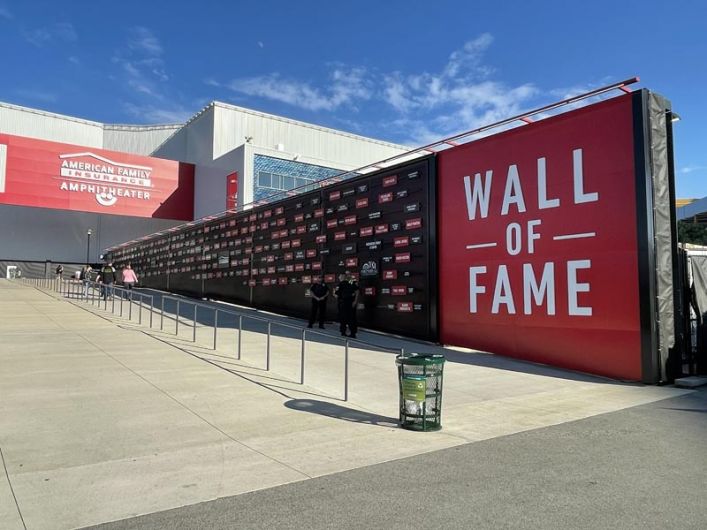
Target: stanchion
{"x": 152, "y": 308}
{"x": 267, "y": 354}
{"x": 176, "y": 329}
{"x": 346, "y": 371}
{"x": 193, "y": 333}
{"x": 162, "y": 313}
{"x": 240, "y": 335}
{"x": 215, "y": 327}
{"x": 301, "y": 376}
{"x": 130, "y": 308}
{"x": 139, "y": 318}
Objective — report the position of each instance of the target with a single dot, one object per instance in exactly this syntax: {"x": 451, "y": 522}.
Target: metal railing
{"x": 97, "y": 294}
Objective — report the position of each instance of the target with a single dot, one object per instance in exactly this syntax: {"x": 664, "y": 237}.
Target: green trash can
{"x": 420, "y": 380}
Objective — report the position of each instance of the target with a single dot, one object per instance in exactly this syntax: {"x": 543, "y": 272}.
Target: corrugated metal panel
{"x": 331, "y": 148}
{"x": 137, "y": 140}
{"x": 193, "y": 143}
{"x": 46, "y": 126}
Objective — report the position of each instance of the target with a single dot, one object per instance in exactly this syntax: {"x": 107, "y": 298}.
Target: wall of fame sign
{"x": 378, "y": 227}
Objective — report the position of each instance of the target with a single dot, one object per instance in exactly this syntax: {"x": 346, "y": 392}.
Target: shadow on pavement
{"x": 332, "y": 410}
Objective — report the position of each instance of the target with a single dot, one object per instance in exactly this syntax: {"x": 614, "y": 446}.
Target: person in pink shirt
{"x": 129, "y": 277}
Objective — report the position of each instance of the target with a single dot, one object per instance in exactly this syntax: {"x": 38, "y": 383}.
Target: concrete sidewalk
{"x": 101, "y": 419}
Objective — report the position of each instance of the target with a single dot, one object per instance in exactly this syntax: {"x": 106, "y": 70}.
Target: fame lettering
{"x": 385, "y": 197}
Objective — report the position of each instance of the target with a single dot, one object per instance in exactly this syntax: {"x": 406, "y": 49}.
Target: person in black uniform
{"x": 347, "y": 295}
{"x": 107, "y": 279}
{"x": 320, "y": 293}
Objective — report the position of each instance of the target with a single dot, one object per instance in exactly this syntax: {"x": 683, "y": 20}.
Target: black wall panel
{"x": 380, "y": 227}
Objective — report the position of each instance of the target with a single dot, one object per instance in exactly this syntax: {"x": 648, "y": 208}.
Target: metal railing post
{"x": 152, "y": 308}
{"x": 267, "y": 351}
{"x": 121, "y": 306}
{"x": 112, "y": 308}
{"x": 240, "y": 334}
{"x": 215, "y": 327}
{"x": 301, "y": 375}
{"x": 346, "y": 371}
{"x": 176, "y": 327}
{"x": 193, "y": 333}
{"x": 162, "y": 314}
{"x": 139, "y": 320}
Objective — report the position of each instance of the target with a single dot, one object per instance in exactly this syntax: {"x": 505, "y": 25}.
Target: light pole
{"x": 88, "y": 244}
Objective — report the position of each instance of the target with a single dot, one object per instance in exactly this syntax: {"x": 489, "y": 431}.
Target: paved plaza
{"x": 103, "y": 419}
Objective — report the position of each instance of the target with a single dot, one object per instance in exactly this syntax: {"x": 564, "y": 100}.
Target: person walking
{"x": 320, "y": 293}
{"x": 129, "y": 277}
{"x": 85, "y": 277}
{"x": 347, "y": 295}
{"x": 107, "y": 279}
{"x": 59, "y": 271}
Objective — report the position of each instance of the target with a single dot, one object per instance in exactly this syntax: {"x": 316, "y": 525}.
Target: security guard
{"x": 347, "y": 295}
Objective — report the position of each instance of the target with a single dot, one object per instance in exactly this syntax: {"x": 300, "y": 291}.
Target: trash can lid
{"x": 420, "y": 358}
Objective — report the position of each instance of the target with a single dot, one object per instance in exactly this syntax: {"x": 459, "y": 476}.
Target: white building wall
{"x": 137, "y": 139}
{"x": 34, "y": 123}
{"x": 320, "y": 145}
{"x": 210, "y": 183}
{"x": 193, "y": 143}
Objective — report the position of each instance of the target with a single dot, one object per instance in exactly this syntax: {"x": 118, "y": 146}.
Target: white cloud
{"x": 5, "y": 13}
{"x": 37, "y": 95}
{"x": 461, "y": 96}
{"x": 143, "y": 69}
{"x": 691, "y": 169}
{"x": 61, "y": 31}
{"x": 142, "y": 40}
{"x": 260, "y": 44}
{"x": 74, "y": 60}
{"x": 155, "y": 114}
{"x": 345, "y": 87}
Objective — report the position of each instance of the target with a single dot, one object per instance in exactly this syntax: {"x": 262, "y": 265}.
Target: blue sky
{"x": 404, "y": 71}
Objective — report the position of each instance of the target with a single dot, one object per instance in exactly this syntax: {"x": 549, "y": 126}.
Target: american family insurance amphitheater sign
{"x": 540, "y": 242}
{"x": 53, "y": 175}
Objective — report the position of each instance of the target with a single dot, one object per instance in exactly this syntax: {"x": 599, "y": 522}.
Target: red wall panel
{"x": 63, "y": 176}
{"x": 538, "y": 242}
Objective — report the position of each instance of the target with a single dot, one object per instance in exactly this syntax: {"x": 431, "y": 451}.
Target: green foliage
{"x": 692, "y": 233}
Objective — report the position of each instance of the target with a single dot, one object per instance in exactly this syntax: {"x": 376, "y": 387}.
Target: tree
{"x": 692, "y": 233}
